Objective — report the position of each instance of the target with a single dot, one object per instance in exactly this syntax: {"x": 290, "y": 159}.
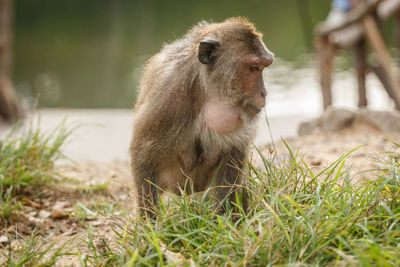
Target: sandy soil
{"x": 372, "y": 149}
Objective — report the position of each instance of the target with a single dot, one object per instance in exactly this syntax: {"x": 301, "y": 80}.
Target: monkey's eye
{"x": 254, "y": 68}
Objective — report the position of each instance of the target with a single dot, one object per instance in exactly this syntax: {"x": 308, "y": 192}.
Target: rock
{"x": 35, "y": 220}
{"x": 59, "y": 211}
{"x": 333, "y": 119}
{"x": 176, "y": 259}
{"x": 32, "y": 213}
{"x": 44, "y": 214}
{"x": 383, "y": 120}
{"x": 309, "y": 127}
{"x": 61, "y": 204}
{"x": 58, "y": 214}
{"x": 17, "y": 245}
{"x": 123, "y": 197}
{"x": 4, "y": 240}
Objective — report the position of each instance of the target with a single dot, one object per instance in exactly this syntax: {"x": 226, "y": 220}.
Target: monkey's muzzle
{"x": 251, "y": 108}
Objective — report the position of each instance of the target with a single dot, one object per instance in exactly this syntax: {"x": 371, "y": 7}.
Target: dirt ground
{"x": 372, "y": 148}
{"x": 92, "y": 193}
{"x": 86, "y": 194}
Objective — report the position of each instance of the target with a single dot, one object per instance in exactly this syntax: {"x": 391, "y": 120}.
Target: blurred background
{"x": 89, "y": 54}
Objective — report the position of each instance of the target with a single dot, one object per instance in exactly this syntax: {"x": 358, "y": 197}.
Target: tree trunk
{"x": 9, "y": 104}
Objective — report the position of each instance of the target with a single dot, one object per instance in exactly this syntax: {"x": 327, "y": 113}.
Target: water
{"x": 89, "y": 54}
{"x": 299, "y": 93}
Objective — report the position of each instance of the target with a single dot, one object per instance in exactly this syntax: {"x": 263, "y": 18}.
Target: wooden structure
{"x": 365, "y": 16}
{"x": 9, "y": 104}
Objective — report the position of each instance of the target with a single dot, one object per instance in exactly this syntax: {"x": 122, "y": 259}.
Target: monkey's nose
{"x": 267, "y": 60}
{"x": 263, "y": 92}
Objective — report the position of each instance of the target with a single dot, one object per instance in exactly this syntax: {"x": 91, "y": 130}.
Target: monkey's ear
{"x": 207, "y": 50}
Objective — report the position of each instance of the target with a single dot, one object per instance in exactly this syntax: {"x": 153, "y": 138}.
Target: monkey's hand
{"x": 188, "y": 158}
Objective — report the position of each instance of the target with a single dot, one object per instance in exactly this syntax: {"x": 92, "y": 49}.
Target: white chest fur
{"x": 223, "y": 126}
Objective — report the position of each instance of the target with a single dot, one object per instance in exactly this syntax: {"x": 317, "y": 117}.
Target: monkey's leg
{"x": 145, "y": 179}
{"x": 229, "y": 177}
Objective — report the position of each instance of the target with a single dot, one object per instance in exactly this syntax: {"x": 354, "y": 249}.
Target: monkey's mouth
{"x": 253, "y": 108}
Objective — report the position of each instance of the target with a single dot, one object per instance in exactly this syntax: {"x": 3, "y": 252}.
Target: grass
{"x": 26, "y": 162}
{"x": 100, "y": 187}
{"x": 33, "y": 252}
{"x": 96, "y": 210}
{"x": 300, "y": 216}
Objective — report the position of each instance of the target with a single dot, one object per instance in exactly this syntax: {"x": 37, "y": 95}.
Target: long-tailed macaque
{"x": 196, "y": 110}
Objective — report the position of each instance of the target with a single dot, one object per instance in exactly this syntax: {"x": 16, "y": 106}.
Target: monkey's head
{"x": 234, "y": 57}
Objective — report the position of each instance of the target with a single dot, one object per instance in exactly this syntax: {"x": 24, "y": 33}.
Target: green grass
{"x": 26, "y": 162}
{"x": 100, "y": 187}
{"x": 34, "y": 253}
{"x": 96, "y": 210}
{"x": 298, "y": 218}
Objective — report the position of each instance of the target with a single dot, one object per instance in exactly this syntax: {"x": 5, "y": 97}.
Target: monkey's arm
{"x": 230, "y": 175}
{"x": 145, "y": 179}
{"x": 154, "y": 145}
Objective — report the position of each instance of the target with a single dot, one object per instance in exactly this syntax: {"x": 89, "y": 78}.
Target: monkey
{"x": 195, "y": 114}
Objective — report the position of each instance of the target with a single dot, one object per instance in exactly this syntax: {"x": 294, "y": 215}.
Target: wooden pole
{"x": 381, "y": 74}
{"x": 9, "y": 103}
{"x": 361, "y": 67}
{"x": 354, "y": 16}
{"x": 375, "y": 39}
{"x": 325, "y": 56}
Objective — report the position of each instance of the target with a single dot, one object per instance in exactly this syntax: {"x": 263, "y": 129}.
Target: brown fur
{"x": 172, "y": 139}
